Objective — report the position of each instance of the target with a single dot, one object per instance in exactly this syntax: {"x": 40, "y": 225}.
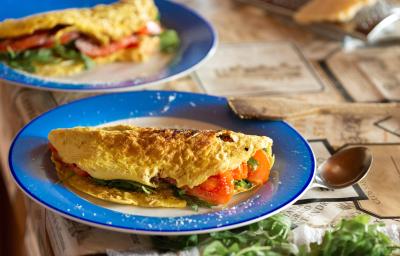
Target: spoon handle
{"x": 318, "y": 183}
{"x": 282, "y": 108}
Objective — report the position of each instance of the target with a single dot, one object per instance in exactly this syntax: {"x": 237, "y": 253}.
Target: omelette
{"x": 66, "y": 42}
{"x": 154, "y": 167}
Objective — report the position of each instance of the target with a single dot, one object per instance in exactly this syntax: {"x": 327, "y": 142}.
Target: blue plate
{"x": 34, "y": 173}
{"x": 198, "y": 42}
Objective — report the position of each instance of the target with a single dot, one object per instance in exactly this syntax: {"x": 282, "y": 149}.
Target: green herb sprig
{"x": 125, "y": 185}
{"x": 353, "y": 237}
{"x": 27, "y": 59}
{"x": 169, "y": 41}
{"x": 270, "y": 237}
{"x": 193, "y": 202}
{"x": 253, "y": 163}
{"x": 243, "y": 184}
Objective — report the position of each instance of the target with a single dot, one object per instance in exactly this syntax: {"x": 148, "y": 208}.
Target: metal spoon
{"x": 344, "y": 168}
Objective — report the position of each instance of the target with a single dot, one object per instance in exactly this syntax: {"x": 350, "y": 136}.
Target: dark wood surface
{"x": 11, "y": 240}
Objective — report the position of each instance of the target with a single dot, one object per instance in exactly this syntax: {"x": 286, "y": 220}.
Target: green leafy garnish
{"x": 24, "y": 60}
{"x": 271, "y": 237}
{"x": 192, "y": 201}
{"x": 268, "y": 151}
{"x": 69, "y": 52}
{"x": 169, "y": 41}
{"x": 267, "y": 237}
{"x": 66, "y": 52}
{"x": 27, "y": 59}
{"x": 11, "y": 53}
{"x": 253, "y": 163}
{"x": 88, "y": 62}
{"x": 125, "y": 185}
{"x": 354, "y": 237}
{"x": 244, "y": 184}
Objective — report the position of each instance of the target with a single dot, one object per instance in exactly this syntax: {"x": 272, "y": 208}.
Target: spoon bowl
{"x": 344, "y": 168}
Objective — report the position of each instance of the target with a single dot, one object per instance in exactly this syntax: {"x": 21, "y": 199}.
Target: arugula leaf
{"x": 270, "y": 237}
{"x": 125, "y": 185}
{"x": 253, "y": 163}
{"x": 40, "y": 56}
{"x": 354, "y": 237}
{"x": 25, "y": 60}
{"x": 169, "y": 41}
{"x": 192, "y": 201}
{"x": 146, "y": 190}
{"x": 69, "y": 52}
{"x": 268, "y": 151}
{"x": 88, "y": 62}
{"x": 24, "y": 65}
{"x": 11, "y": 53}
{"x": 245, "y": 184}
{"x": 267, "y": 237}
{"x": 216, "y": 248}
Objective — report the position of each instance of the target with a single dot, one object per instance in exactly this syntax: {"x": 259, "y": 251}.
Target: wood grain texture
{"x": 282, "y": 108}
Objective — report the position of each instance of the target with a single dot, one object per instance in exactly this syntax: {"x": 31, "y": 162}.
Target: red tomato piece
{"x": 64, "y": 39}
{"x": 72, "y": 167}
{"x": 92, "y": 49}
{"x": 261, "y": 174}
{"x": 217, "y": 189}
{"x": 241, "y": 172}
{"x": 39, "y": 39}
{"x": 25, "y": 42}
{"x": 77, "y": 170}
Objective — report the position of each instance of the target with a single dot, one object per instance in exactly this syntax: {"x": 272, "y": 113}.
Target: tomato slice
{"x": 72, "y": 167}
{"x": 92, "y": 49}
{"x": 46, "y": 39}
{"x": 216, "y": 189}
{"x": 241, "y": 172}
{"x": 39, "y": 39}
{"x": 261, "y": 174}
{"x": 25, "y": 42}
{"x": 64, "y": 39}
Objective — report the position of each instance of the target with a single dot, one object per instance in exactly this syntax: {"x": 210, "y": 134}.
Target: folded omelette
{"x": 160, "y": 167}
{"x": 68, "y": 41}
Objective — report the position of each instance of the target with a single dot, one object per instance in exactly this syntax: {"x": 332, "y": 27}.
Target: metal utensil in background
{"x": 366, "y": 25}
{"x": 277, "y": 108}
{"x": 344, "y": 168}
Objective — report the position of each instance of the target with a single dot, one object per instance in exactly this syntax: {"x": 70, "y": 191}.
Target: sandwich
{"x": 66, "y": 42}
{"x": 330, "y": 10}
{"x": 153, "y": 167}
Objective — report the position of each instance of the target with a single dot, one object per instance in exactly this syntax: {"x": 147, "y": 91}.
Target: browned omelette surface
{"x": 140, "y": 154}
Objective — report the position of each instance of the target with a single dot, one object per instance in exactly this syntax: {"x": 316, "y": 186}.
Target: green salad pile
{"x": 270, "y": 237}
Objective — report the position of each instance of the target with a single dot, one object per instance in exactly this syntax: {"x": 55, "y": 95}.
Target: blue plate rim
{"x": 24, "y": 80}
{"x": 123, "y": 229}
